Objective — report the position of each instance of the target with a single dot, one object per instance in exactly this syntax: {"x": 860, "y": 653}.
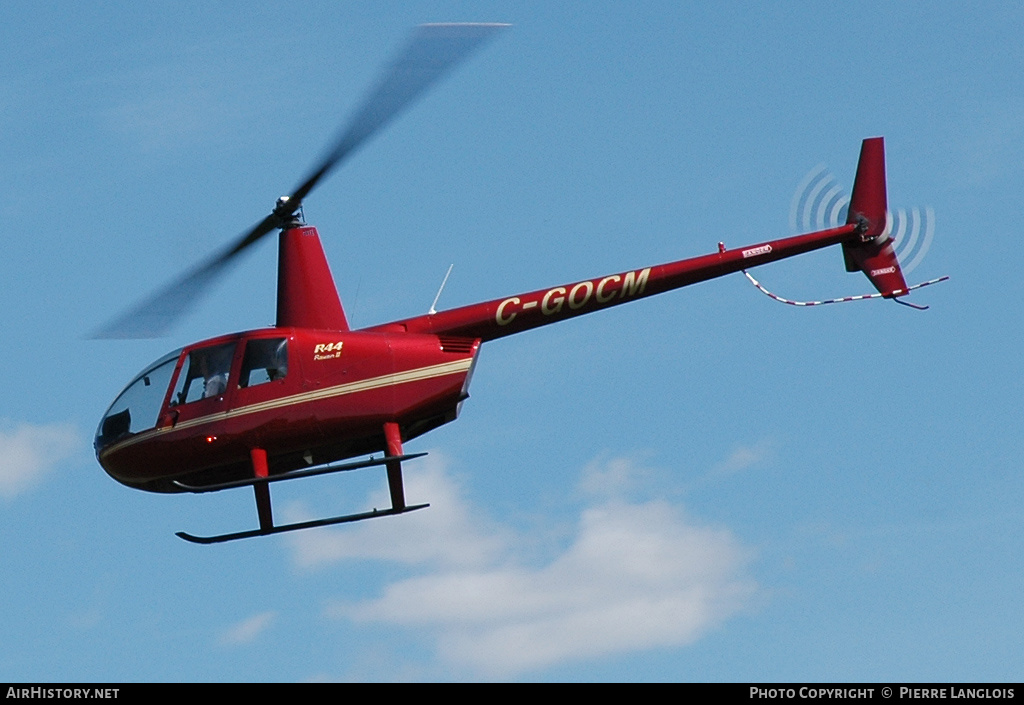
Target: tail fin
{"x": 873, "y": 254}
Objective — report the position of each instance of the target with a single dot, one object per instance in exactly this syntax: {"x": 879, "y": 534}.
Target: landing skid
{"x": 260, "y": 483}
{"x": 300, "y": 525}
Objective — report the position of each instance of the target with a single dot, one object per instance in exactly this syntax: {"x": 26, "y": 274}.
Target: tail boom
{"x": 502, "y": 317}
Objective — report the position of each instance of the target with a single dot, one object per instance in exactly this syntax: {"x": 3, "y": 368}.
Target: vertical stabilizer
{"x": 873, "y": 253}
{"x": 306, "y": 294}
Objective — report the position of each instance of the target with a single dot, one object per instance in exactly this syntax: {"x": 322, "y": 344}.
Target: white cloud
{"x": 29, "y": 452}
{"x": 446, "y": 533}
{"x": 741, "y": 459}
{"x": 744, "y": 458}
{"x": 613, "y": 477}
{"x": 246, "y": 631}
{"x": 634, "y": 576}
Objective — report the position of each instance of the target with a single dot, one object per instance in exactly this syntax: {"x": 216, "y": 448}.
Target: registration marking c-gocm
{"x": 602, "y": 291}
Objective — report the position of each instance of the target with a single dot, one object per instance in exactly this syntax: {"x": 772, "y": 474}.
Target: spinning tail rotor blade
{"x": 431, "y": 52}
{"x": 820, "y": 202}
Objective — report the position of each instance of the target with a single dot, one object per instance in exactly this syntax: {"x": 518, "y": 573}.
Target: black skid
{"x": 298, "y": 526}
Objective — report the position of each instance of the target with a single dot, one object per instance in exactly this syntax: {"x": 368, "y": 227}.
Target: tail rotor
{"x": 820, "y": 202}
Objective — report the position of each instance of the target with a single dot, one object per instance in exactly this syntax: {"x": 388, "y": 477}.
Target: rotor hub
{"x": 289, "y": 213}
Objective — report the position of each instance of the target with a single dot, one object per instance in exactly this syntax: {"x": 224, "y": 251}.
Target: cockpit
{"x": 206, "y": 374}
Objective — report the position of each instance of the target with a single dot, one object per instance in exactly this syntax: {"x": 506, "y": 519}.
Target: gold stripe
{"x": 364, "y": 385}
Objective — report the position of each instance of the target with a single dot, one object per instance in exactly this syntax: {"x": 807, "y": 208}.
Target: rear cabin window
{"x": 265, "y": 361}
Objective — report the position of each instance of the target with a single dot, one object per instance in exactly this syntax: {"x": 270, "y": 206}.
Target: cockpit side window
{"x": 265, "y": 360}
{"x": 205, "y": 374}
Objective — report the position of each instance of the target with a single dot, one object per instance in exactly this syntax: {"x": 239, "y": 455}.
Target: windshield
{"x": 138, "y": 406}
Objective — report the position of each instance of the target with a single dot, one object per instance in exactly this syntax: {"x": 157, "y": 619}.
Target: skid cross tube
{"x": 372, "y": 462}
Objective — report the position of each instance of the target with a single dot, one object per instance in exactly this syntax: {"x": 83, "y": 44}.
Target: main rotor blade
{"x": 430, "y": 53}
{"x": 153, "y": 317}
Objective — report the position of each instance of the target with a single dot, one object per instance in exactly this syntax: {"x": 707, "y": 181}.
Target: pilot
{"x": 214, "y": 366}
{"x": 214, "y": 385}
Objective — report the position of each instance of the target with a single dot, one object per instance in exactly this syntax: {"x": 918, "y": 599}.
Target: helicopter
{"x": 307, "y": 396}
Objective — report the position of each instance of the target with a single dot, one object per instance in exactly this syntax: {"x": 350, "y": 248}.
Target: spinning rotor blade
{"x": 154, "y": 316}
{"x": 431, "y": 51}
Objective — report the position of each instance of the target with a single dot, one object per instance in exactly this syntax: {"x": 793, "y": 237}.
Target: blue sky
{"x": 706, "y": 485}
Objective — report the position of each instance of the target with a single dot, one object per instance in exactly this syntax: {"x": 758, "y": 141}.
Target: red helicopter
{"x": 262, "y": 406}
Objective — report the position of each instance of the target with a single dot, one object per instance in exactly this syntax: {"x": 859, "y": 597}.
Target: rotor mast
{"x": 306, "y": 294}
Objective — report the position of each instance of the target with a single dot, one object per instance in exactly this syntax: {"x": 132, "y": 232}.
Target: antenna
{"x": 433, "y": 310}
